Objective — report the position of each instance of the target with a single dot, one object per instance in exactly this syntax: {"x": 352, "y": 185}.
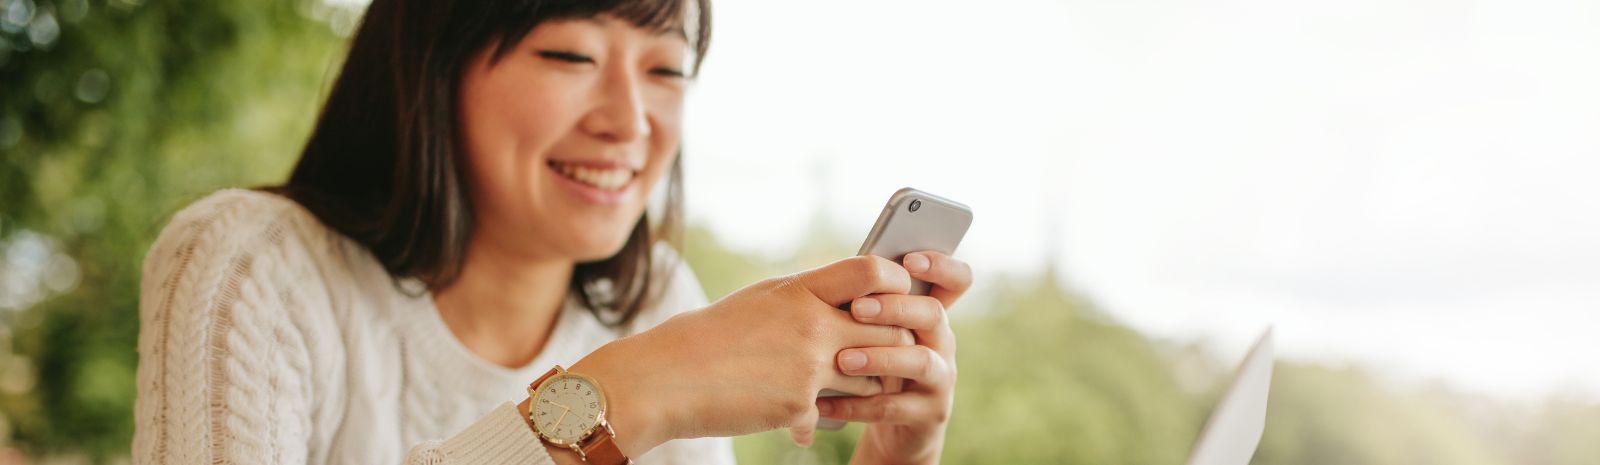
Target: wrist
{"x": 562, "y": 455}
{"x": 633, "y": 413}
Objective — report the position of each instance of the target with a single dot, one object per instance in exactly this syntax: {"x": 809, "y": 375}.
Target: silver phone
{"x": 912, "y": 221}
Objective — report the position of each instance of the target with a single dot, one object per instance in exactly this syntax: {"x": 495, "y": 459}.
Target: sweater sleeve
{"x": 238, "y": 344}
{"x": 501, "y": 437}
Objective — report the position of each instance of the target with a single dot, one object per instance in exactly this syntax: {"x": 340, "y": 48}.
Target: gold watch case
{"x": 561, "y": 386}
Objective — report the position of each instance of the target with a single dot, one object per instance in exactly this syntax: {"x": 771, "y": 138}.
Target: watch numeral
{"x": 594, "y": 405}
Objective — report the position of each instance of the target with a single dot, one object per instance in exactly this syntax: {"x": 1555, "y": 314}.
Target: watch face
{"x": 567, "y": 407}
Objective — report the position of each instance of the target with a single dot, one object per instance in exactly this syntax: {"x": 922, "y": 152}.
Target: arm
{"x": 235, "y": 338}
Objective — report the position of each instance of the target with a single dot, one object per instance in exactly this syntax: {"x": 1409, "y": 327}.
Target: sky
{"x": 1405, "y": 185}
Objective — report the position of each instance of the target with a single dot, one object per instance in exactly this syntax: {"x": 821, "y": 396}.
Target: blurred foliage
{"x": 1046, "y": 378}
{"x": 113, "y": 114}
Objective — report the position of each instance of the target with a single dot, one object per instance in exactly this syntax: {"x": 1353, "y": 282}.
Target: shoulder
{"x": 682, "y": 292}
{"x": 237, "y": 224}
{"x": 236, "y": 240}
{"x": 233, "y": 218}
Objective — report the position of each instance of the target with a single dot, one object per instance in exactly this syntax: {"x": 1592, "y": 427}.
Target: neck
{"x": 503, "y": 305}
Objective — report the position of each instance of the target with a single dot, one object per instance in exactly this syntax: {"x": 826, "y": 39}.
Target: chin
{"x": 593, "y": 252}
{"x": 594, "y": 239}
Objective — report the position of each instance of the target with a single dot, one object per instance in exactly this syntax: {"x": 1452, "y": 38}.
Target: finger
{"x": 844, "y": 280}
{"x": 950, "y": 277}
{"x": 860, "y": 386}
{"x": 852, "y": 333}
{"x": 914, "y": 312}
{"x": 915, "y": 362}
{"x": 923, "y": 315}
{"x": 887, "y": 408}
{"x": 804, "y": 431}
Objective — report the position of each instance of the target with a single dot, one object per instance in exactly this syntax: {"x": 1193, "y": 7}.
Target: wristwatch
{"x": 569, "y": 410}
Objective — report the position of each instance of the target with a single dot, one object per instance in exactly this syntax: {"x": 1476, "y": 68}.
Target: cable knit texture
{"x": 266, "y": 337}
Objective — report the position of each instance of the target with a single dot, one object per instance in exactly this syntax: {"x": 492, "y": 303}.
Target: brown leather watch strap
{"x": 601, "y": 450}
{"x": 535, "y": 385}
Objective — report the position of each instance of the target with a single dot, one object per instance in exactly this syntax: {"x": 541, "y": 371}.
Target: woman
{"x": 470, "y": 213}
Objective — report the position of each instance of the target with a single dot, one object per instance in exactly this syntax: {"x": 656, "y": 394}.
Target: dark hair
{"x": 383, "y": 165}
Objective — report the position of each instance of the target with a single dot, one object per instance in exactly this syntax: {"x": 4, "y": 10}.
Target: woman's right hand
{"x": 750, "y": 362}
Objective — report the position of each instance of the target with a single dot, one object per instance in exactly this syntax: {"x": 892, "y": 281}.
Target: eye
{"x": 569, "y": 57}
{"x": 667, "y": 72}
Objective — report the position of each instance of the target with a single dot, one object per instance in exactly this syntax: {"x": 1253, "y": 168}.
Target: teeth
{"x": 606, "y": 179}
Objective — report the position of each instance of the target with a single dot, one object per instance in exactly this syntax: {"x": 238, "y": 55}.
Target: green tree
{"x": 112, "y": 115}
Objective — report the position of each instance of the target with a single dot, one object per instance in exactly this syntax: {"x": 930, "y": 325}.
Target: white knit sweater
{"x": 266, "y": 337}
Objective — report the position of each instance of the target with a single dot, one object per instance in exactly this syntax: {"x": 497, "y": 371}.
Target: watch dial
{"x": 567, "y": 407}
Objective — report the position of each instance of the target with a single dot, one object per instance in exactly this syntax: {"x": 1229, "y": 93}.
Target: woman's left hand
{"x": 908, "y": 426}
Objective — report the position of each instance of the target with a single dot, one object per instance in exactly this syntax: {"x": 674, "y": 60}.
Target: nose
{"x": 619, "y": 114}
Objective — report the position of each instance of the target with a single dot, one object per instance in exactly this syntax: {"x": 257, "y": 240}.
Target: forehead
{"x": 608, "y": 21}
{"x": 659, "y": 16}
{"x": 686, "y": 20}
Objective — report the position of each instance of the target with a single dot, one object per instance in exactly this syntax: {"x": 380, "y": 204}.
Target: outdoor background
{"x": 1404, "y": 189}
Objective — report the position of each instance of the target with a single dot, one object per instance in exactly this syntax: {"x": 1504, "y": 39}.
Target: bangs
{"x": 689, "y": 18}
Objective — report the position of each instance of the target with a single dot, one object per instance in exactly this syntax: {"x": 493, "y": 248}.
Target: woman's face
{"x": 568, "y": 133}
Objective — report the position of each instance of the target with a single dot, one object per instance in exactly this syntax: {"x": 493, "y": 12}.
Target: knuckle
{"x": 785, "y": 285}
{"x": 930, "y": 312}
{"x": 901, "y": 337}
{"x": 858, "y": 265}
{"x": 780, "y": 286}
{"x": 889, "y": 336}
{"x": 894, "y": 308}
{"x": 810, "y": 328}
{"x": 929, "y": 362}
{"x": 872, "y": 268}
{"x": 879, "y": 270}
{"x": 794, "y": 407}
{"x": 884, "y": 409}
{"x": 872, "y": 386}
{"x": 811, "y": 370}
{"x": 845, "y": 409}
{"x": 940, "y": 415}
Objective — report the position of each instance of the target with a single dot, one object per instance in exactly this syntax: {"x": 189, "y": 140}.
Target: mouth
{"x": 603, "y": 176}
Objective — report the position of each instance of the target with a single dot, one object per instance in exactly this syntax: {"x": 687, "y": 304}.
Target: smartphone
{"x": 912, "y": 221}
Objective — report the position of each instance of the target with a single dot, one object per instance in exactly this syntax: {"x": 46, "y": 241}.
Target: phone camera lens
{"x": 915, "y": 204}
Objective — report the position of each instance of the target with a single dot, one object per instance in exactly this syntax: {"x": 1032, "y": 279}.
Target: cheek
{"x": 666, "y": 134}
{"x": 525, "y": 121}
{"x": 666, "y": 109}
{"x": 505, "y": 130}
{"x": 664, "y": 148}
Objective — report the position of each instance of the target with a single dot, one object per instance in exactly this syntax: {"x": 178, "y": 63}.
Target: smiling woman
{"x": 414, "y": 211}
{"x": 467, "y": 227}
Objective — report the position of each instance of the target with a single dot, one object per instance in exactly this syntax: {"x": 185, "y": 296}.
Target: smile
{"x": 604, "y": 178}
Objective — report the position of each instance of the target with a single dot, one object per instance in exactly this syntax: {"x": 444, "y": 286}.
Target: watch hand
{"x": 563, "y": 417}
